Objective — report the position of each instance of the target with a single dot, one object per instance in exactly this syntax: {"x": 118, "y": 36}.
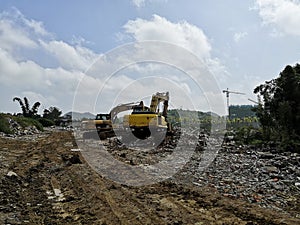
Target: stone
{"x": 265, "y": 155}
{"x": 11, "y": 174}
{"x": 270, "y": 169}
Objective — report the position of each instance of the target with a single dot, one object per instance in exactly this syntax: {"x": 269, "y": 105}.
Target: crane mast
{"x": 227, "y": 96}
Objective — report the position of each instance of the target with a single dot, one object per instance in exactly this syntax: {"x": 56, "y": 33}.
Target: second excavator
{"x": 103, "y": 124}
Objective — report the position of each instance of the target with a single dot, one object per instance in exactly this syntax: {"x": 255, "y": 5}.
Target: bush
{"x": 26, "y": 122}
{"x": 257, "y": 142}
{"x": 248, "y": 135}
{"x": 291, "y": 145}
{"x": 46, "y": 122}
{"x": 4, "y": 125}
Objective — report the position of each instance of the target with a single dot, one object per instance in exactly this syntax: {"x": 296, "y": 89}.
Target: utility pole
{"x": 227, "y": 96}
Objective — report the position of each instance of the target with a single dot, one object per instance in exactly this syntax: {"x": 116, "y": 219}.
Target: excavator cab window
{"x": 142, "y": 110}
{"x": 103, "y": 117}
{"x": 138, "y": 109}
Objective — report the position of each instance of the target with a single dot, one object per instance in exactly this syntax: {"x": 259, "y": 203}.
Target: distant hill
{"x": 80, "y": 116}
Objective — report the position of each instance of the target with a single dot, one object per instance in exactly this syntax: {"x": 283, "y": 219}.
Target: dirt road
{"x": 44, "y": 182}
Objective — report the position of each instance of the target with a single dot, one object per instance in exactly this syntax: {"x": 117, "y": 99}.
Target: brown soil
{"x": 43, "y": 182}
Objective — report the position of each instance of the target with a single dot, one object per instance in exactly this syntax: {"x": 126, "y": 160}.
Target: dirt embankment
{"x": 43, "y": 182}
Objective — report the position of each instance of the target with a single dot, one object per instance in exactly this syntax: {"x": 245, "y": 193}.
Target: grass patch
{"x": 46, "y": 122}
{"x": 26, "y": 122}
{"x": 21, "y": 120}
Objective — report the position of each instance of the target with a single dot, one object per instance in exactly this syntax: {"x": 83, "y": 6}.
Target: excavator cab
{"x": 103, "y": 117}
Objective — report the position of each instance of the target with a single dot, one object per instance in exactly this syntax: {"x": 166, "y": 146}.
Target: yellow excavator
{"x": 142, "y": 121}
{"x": 103, "y": 123}
{"x": 145, "y": 119}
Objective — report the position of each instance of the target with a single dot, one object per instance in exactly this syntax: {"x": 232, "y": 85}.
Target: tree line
{"x": 278, "y": 110}
{"x": 50, "y": 116}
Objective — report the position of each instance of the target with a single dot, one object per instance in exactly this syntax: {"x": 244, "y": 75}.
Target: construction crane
{"x": 249, "y": 99}
{"x": 227, "y": 96}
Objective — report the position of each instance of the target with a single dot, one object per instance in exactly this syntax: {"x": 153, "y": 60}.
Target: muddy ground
{"x": 42, "y": 181}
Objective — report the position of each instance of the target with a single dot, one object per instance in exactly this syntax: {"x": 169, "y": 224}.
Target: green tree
{"x": 25, "y": 107}
{"x": 53, "y": 113}
{"x": 279, "y": 108}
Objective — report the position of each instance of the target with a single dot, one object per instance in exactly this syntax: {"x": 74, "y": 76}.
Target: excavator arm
{"x": 156, "y": 99}
{"x": 121, "y": 108}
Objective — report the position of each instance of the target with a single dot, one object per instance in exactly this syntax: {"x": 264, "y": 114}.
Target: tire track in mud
{"x": 117, "y": 201}
{"x": 84, "y": 197}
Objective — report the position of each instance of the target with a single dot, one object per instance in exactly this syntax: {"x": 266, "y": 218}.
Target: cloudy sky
{"x": 57, "y": 52}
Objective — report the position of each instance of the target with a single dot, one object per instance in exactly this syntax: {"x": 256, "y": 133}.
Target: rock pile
{"x": 17, "y": 129}
{"x": 266, "y": 178}
{"x": 261, "y": 176}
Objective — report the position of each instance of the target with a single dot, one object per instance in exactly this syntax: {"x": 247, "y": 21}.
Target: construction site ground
{"x": 42, "y": 181}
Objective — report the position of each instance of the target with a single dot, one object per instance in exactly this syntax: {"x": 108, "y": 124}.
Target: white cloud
{"x": 46, "y": 102}
{"x": 36, "y": 26}
{"x": 78, "y": 40}
{"x": 20, "y": 36}
{"x": 189, "y": 37}
{"x": 171, "y": 69}
{"x": 135, "y": 90}
{"x": 28, "y": 75}
{"x": 21, "y": 74}
{"x": 12, "y": 37}
{"x": 138, "y": 3}
{"x": 141, "y": 69}
{"x": 182, "y": 33}
{"x": 68, "y": 56}
{"x": 24, "y": 75}
{"x": 13, "y": 73}
{"x": 284, "y": 14}
{"x": 239, "y": 35}
{"x": 142, "y": 3}
{"x": 16, "y": 31}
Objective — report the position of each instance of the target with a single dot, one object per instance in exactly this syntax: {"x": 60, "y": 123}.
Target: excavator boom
{"x": 121, "y": 108}
{"x": 157, "y": 98}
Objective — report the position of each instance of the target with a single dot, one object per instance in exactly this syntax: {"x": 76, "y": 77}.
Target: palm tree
{"x": 26, "y": 111}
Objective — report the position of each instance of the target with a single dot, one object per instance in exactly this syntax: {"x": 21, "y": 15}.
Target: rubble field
{"x": 44, "y": 179}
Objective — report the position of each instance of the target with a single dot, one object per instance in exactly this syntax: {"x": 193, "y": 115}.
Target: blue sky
{"x": 47, "y": 46}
